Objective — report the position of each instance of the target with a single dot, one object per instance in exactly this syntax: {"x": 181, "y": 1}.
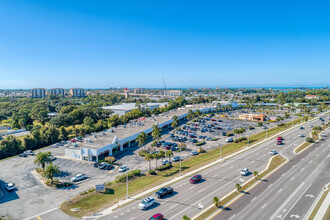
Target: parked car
{"x": 166, "y": 162}
{"x": 301, "y": 127}
{"x": 228, "y": 140}
{"x": 279, "y": 142}
{"x": 157, "y": 216}
{"x": 168, "y": 147}
{"x": 175, "y": 148}
{"x": 273, "y": 152}
{"x": 29, "y": 152}
{"x": 146, "y": 203}
{"x": 195, "y": 179}
{"x": 109, "y": 166}
{"x": 10, "y": 186}
{"x": 102, "y": 165}
{"x": 194, "y": 153}
{"x": 23, "y": 155}
{"x": 123, "y": 169}
{"x": 164, "y": 191}
{"x": 279, "y": 138}
{"x": 52, "y": 157}
{"x": 176, "y": 159}
{"x": 54, "y": 146}
{"x": 194, "y": 140}
{"x": 96, "y": 164}
{"x": 245, "y": 172}
{"x": 301, "y": 135}
{"x": 78, "y": 177}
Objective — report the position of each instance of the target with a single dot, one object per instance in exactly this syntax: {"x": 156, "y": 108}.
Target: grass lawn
{"x": 276, "y": 162}
{"x": 318, "y": 205}
{"x": 93, "y": 202}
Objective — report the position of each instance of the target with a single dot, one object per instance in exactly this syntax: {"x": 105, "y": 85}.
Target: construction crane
{"x": 164, "y": 83}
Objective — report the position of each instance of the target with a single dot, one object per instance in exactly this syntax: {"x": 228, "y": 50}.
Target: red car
{"x": 279, "y": 138}
{"x": 157, "y": 216}
{"x": 195, "y": 179}
{"x": 279, "y": 142}
{"x": 168, "y": 148}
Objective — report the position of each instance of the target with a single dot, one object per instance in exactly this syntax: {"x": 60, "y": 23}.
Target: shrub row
{"x": 165, "y": 167}
{"x": 240, "y": 139}
{"x": 130, "y": 174}
{"x": 200, "y": 143}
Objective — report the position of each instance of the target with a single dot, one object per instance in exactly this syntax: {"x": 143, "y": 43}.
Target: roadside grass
{"x": 318, "y": 205}
{"x": 327, "y": 214}
{"x": 93, "y": 202}
{"x": 276, "y": 161}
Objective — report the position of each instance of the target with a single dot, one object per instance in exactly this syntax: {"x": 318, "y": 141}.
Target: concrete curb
{"x": 311, "y": 209}
{"x": 310, "y": 134}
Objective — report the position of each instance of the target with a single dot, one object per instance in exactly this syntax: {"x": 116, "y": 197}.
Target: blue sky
{"x": 101, "y": 44}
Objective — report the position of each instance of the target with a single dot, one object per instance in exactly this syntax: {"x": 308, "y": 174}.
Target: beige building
{"x": 174, "y": 92}
{"x": 251, "y": 117}
{"x": 38, "y": 93}
{"x": 77, "y": 92}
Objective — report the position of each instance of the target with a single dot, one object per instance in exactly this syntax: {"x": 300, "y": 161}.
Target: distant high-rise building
{"x": 77, "y": 92}
{"x": 57, "y": 91}
{"x": 174, "y": 92}
{"x": 38, "y": 93}
{"x": 137, "y": 91}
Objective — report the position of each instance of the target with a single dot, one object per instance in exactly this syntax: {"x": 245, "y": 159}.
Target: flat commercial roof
{"x": 106, "y": 138}
{"x": 130, "y": 106}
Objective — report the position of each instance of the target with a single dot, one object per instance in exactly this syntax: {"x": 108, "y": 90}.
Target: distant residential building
{"x": 38, "y": 93}
{"x": 174, "y": 92}
{"x": 224, "y": 103}
{"x": 77, "y": 92}
{"x": 126, "y": 92}
{"x": 57, "y": 91}
{"x": 311, "y": 97}
{"x": 137, "y": 91}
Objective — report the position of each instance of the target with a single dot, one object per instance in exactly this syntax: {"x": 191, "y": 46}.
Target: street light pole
{"x": 220, "y": 151}
{"x": 180, "y": 160}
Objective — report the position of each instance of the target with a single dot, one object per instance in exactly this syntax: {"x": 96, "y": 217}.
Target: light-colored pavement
{"x": 288, "y": 193}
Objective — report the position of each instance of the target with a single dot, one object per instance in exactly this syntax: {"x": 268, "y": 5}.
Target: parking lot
{"x": 33, "y": 197}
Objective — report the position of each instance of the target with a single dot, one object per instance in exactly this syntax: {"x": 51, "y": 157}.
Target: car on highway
{"x": 245, "y": 172}
{"x": 164, "y": 191}
{"x": 279, "y": 138}
{"x": 176, "y": 159}
{"x": 10, "y": 186}
{"x": 146, "y": 203}
{"x": 279, "y": 142}
{"x": 228, "y": 140}
{"x": 301, "y": 135}
{"x": 166, "y": 162}
{"x": 123, "y": 169}
{"x": 102, "y": 165}
{"x": 29, "y": 152}
{"x": 273, "y": 152}
{"x": 157, "y": 216}
{"x": 301, "y": 127}
{"x": 23, "y": 155}
{"x": 78, "y": 177}
{"x": 195, "y": 179}
{"x": 194, "y": 153}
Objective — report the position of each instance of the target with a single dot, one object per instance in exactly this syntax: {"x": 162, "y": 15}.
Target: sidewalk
{"x": 147, "y": 192}
{"x": 324, "y": 207}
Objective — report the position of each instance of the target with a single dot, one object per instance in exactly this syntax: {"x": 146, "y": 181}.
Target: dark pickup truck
{"x": 164, "y": 191}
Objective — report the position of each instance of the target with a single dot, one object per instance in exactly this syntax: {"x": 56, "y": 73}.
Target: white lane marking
{"x": 253, "y": 199}
{"x": 173, "y": 206}
{"x": 264, "y": 205}
{"x": 50, "y": 210}
{"x": 280, "y": 190}
{"x": 232, "y": 217}
{"x": 201, "y": 190}
{"x": 292, "y": 178}
{"x": 302, "y": 169}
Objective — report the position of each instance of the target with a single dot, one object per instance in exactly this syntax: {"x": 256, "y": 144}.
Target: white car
{"x": 273, "y": 152}
{"x": 245, "y": 172}
{"x": 301, "y": 135}
{"x": 78, "y": 177}
{"x": 122, "y": 169}
{"x": 10, "y": 186}
{"x": 150, "y": 201}
{"x": 229, "y": 140}
{"x": 29, "y": 152}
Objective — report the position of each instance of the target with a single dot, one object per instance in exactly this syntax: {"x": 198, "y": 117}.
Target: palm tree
{"x": 161, "y": 154}
{"x": 256, "y": 174}
{"x": 42, "y": 158}
{"x": 216, "y": 201}
{"x": 190, "y": 114}
{"x": 175, "y": 122}
{"x": 168, "y": 154}
{"x": 238, "y": 187}
{"x": 50, "y": 172}
{"x": 148, "y": 158}
{"x": 185, "y": 217}
{"x": 157, "y": 156}
{"x": 155, "y": 132}
{"x": 142, "y": 138}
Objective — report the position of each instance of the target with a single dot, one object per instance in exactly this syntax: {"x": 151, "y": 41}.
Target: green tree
{"x": 76, "y": 132}
{"x": 148, "y": 158}
{"x": 238, "y": 187}
{"x": 29, "y": 142}
{"x": 141, "y": 138}
{"x": 157, "y": 156}
{"x": 216, "y": 201}
{"x": 10, "y": 146}
{"x": 185, "y": 217}
{"x": 168, "y": 154}
{"x": 175, "y": 122}
{"x": 256, "y": 174}
{"x": 49, "y": 134}
{"x": 88, "y": 122}
{"x": 63, "y": 134}
{"x": 51, "y": 171}
{"x": 155, "y": 132}
{"x": 42, "y": 159}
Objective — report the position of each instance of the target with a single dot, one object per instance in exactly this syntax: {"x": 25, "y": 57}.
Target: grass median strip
{"x": 276, "y": 161}
{"x": 92, "y": 202}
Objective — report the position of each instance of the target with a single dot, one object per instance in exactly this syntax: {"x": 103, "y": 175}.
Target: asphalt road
{"x": 289, "y": 192}
{"x": 217, "y": 181}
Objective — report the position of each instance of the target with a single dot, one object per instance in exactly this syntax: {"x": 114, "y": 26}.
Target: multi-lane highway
{"x": 290, "y": 192}
{"x": 189, "y": 199}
